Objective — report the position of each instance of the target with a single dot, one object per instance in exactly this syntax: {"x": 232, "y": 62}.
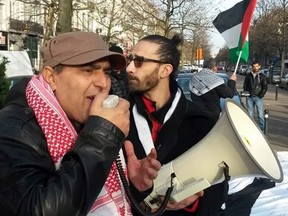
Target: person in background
{"x": 58, "y": 145}
{"x": 162, "y": 118}
{"x": 256, "y": 84}
{"x": 207, "y": 88}
{"x": 119, "y": 81}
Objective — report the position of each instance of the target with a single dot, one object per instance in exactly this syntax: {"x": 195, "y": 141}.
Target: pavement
{"x": 277, "y": 121}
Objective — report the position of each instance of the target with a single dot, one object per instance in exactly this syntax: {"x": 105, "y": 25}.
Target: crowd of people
{"x": 63, "y": 153}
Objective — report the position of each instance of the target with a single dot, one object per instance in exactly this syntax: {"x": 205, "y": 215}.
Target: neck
{"x": 160, "y": 94}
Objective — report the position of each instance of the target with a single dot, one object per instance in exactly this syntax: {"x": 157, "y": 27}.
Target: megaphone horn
{"x": 235, "y": 140}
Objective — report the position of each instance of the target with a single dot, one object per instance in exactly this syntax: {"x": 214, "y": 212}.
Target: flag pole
{"x": 236, "y": 67}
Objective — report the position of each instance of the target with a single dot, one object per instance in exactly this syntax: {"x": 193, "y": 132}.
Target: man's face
{"x": 146, "y": 77}
{"x": 256, "y": 68}
{"x": 76, "y": 87}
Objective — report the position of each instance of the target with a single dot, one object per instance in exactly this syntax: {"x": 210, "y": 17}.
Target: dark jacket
{"x": 119, "y": 83}
{"x": 211, "y": 99}
{"x": 255, "y": 86}
{"x": 30, "y": 184}
{"x": 185, "y": 127}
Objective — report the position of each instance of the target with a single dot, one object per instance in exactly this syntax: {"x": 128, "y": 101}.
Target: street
{"x": 277, "y": 122}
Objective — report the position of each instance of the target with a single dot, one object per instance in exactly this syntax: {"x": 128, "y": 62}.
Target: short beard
{"x": 146, "y": 83}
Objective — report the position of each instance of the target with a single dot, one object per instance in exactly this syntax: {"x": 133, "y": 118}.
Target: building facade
{"x": 24, "y": 25}
{"x": 20, "y": 27}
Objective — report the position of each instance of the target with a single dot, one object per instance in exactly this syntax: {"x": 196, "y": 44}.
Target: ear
{"x": 48, "y": 75}
{"x": 168, "y": 68}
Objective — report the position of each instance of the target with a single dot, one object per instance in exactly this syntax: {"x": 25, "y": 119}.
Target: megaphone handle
{"x": 226, "y": 171}
{"x": 227, "y": 178}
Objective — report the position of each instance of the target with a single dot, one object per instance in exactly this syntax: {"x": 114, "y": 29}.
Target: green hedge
{"x": 4, "y": 82}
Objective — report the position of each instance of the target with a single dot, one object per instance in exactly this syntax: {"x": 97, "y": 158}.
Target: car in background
{"x": 284, "y": 82}
{"x": 275, "y": 72}
{"x": 231, "y": 68}
{"x": 185, "y": 70}
{"x": 191, "y": 68}
{"x": 265, "y": 71}
{"x": 249, "y": 70}
{"x": 242, "y": 69}
{"x": 183, "y": 81}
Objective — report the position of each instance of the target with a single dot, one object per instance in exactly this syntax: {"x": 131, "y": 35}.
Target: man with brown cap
{"x": 58, "y": 144}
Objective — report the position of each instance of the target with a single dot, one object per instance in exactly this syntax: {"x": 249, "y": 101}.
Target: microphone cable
{"x": 136, "y": 206}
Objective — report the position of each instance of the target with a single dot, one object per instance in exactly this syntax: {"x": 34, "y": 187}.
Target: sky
{"x": 217, "y": 40}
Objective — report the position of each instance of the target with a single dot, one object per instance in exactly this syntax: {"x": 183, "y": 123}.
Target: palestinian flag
{"x": 234, "y": 24}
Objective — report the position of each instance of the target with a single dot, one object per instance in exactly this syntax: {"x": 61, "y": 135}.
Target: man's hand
{"x": 141, "y": 172}
{"x": 233, "y": 77}
{"x": 184, "y": 203}
{"x": 112, "y": 114}
{"x": 171, "y": 205}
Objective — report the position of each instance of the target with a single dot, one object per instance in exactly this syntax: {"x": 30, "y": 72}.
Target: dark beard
{"x": 147, "y": 83}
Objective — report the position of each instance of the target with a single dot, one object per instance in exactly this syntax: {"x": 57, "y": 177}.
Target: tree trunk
{"x": 49, "y": 21}
{"x": 64, "y": 23}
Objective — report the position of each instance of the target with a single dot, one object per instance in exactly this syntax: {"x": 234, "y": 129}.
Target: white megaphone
{"x": 235, "y": 140}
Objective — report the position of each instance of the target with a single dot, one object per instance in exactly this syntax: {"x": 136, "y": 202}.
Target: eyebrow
{"x": 96, "y": 66}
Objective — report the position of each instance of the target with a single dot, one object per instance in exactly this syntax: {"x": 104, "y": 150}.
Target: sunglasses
{"x": 138, "y": 60}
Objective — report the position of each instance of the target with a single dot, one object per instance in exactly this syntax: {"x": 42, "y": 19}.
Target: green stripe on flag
{"x": 234, "y": 52}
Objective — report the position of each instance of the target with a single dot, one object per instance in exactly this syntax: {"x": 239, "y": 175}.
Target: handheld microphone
{"x": 111, "y": 101}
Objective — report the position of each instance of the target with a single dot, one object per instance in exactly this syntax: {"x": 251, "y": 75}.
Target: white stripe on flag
{"x": 232, "y": 36}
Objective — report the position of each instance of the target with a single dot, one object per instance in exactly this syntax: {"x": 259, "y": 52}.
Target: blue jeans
{"x": 251, "y": 102}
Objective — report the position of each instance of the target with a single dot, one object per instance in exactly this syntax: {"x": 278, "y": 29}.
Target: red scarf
{"x": 156, "y": 126}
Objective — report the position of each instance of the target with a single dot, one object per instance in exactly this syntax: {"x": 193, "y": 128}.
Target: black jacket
{"x": 119, "y": 83}
{"x": 29, "y": 183}
{"x": 187, "y": 125}
{"x": 256, "y": 86}
{"x": 211, "y": 99}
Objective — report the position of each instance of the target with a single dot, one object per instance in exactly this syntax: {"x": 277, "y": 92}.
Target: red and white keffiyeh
{"x": 61, "y": 135}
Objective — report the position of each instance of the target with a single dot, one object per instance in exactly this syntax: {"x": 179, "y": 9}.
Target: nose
{"x": 101, "y": 79}
{"x": 130, "y": 67}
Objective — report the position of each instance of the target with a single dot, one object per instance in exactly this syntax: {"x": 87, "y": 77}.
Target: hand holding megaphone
{"x": 172, "y": 205}
{"x": 112, "y": 108}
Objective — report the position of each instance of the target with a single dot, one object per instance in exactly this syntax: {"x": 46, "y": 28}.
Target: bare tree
{"x": 266, "y": 34}
{"x": 223, "y": 55}
{"x": 264, "y": 37}
{"x": 138, "y": 18}
{"x": 64, "y": 22}
{"x": 50, "y": 11}
{"x": 158, "y": 13}
{"x": 193, "y": 23}
{"x": 50, "y": 15}
{"x": 168, "y": 8}
{"x": 116, "y": 17}
{"x": 109, "y": 15}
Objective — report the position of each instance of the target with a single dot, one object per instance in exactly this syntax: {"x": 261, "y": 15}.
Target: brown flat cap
{"x": 78, "y": 48}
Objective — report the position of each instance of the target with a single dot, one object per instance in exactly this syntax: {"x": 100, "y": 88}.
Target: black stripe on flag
{"x": 231, "y": 17}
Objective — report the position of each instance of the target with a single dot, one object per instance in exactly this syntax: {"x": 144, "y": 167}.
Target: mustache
{"x": 131, "y": 77}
